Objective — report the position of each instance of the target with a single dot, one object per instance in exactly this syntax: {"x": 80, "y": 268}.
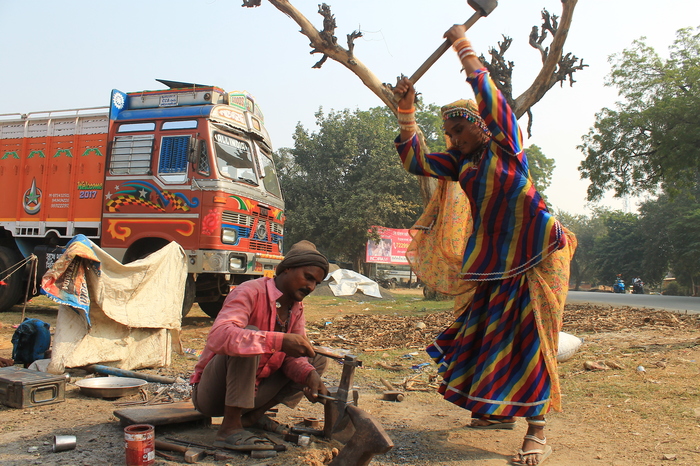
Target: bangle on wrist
{"x": 410, "y": 110}
{"x": 466, "y": 52}
{"x": 461, "y": 43}
{"x": 407, "y": 118}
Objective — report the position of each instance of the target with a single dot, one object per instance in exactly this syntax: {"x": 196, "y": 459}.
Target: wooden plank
{"x": 172, "y": 413}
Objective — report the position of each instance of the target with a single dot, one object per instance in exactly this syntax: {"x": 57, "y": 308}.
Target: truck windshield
{"x": 234, "y": 158}
{"x": 270, "y": 180}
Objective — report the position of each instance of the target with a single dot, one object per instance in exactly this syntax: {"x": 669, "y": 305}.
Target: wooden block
{"x": 159, "y": 415}
{"x": 393, "y": 395}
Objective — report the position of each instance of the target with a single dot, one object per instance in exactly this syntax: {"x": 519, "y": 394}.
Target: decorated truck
{"x": 191, "y": 164}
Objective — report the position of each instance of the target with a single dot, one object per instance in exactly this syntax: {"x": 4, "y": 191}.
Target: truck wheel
{"x": 11, "y": 293}
{"x": 190, "y": 292}
{"x": 212, "y": 308}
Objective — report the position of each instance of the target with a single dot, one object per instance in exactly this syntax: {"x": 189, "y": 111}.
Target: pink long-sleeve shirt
{"x": 253, "y": 303}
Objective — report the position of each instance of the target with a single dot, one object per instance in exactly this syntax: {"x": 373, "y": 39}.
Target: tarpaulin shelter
{"x": 122, "y": 315}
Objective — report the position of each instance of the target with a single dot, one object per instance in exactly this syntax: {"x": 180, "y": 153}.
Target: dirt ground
{"x": 619, "y": 415}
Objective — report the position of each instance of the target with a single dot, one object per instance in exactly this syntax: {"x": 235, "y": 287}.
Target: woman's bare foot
{"x": 534, "y": 450}
{"x": 492, "y": 423}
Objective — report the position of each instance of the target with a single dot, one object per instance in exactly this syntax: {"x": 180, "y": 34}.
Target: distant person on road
{"x": 637, "y": 286}
{"x": 257, "y": 354}
{"x": 498, "y": 359}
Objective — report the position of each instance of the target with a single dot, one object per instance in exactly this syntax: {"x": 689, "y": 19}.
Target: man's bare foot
{"x": 223, "y": 434}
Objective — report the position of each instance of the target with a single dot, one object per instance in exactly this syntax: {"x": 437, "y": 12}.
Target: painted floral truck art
{"x": 190, "y": 163}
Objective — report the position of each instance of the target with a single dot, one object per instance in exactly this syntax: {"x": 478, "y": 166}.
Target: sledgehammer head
{"x": 484, "y": 7}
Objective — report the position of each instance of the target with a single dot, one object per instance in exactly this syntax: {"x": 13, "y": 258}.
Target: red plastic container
{"x": 139, "y": 442}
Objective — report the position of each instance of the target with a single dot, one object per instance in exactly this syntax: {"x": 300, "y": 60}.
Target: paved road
{"x": 671, "y": 303}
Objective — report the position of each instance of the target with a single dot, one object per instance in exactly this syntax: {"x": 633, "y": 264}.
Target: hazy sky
{"x": 70, "y": 54}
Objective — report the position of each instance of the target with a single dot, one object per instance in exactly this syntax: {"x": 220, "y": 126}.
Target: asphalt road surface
{"x": 688, "y": 304}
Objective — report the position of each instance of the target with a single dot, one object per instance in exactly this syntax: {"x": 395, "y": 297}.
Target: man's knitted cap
{"x": 302, "y": 254}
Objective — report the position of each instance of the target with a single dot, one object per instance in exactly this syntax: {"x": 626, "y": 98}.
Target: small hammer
{"x": 483, "y": 8}
{"x": 192, "y": 455}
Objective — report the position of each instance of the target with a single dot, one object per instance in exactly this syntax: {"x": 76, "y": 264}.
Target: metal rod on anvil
{"x": 330, "y": 398}
{"x": 329, "y": 354}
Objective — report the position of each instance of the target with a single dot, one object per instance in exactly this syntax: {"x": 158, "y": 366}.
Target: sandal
{"x": 544, "y": 452}
{"x": 268, "y": 424}
{"x": 492, "y": 423}
{"x": 245, "y": 441}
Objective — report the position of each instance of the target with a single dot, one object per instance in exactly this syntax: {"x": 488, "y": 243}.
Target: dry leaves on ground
{"x": 374, "y": 332}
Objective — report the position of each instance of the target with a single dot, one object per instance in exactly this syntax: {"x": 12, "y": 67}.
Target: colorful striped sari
{"x": 499, "y": 357}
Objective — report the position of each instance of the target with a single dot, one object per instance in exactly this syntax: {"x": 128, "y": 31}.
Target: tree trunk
{"x": 325, "y": 42}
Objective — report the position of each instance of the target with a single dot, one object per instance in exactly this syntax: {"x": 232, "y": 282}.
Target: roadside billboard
{"x": 391, "y": 247}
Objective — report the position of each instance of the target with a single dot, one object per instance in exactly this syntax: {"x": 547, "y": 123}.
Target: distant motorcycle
{"x": 619, "y": 286}
{"x": 637, "y": 286}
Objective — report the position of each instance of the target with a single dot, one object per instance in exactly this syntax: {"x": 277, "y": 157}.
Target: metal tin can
{"x": 139, "y": 443}
{"x": 63, "y": 442}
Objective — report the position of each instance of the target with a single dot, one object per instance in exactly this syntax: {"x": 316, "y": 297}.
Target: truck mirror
{"x": 193, "y": 154}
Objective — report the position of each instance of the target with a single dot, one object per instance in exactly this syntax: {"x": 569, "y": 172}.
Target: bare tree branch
{"x": 351, "y": 41}
{"x": 549, "y": 74}
{"x": 536, "y": 41}
{"x": 326, "y": 43}
{"x": 501, "y": 71}
{"x": 556, "y": 67}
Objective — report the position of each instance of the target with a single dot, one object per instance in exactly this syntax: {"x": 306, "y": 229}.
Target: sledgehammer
{"x": 483, "y": 8}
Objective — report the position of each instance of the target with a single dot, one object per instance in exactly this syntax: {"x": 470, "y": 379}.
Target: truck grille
{"x": 260, "y": 246}
{"x": 276, "y": 228}
{"x": 238, "y": 219}
{"x": 267, "y": 234}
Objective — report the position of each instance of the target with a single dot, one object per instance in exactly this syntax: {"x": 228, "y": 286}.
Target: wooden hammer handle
{"x": 167, "y": 446}
{"x": 386, "y": 383}
{"x": 440, "y": 51}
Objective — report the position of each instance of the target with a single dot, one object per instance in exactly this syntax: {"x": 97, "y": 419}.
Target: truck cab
{"x": 191, "y": 163}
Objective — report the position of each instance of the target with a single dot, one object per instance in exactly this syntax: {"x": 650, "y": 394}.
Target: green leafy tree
{"x": 620, "y": 250}
{"x": 541, "y": 167}
{"x": 587, "y": 230}
{"x": 430, "y": 122}
{"x": 653, "y": 134}
{"x": 344, "y": 178}
{"x": 670, "y": 225}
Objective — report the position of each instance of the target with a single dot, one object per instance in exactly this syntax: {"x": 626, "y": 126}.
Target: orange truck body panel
{"x": 195, "y": 175}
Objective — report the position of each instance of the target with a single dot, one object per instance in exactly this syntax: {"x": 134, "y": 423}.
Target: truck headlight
{"x": 236, "y": 263}
{"x": 229, "y": 236}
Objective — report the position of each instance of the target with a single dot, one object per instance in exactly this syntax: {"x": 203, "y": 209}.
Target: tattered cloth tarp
{"x": 349, "y": 282}
{"x": 125, "y": 316}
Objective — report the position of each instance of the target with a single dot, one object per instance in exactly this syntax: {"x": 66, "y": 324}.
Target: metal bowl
{"x": 110, "y": 387}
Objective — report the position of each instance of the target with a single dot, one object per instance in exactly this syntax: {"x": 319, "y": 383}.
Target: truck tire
{"x": 190, "y": 292}
{"x": 212, "y": 308}
{"x": 11, "y": 293}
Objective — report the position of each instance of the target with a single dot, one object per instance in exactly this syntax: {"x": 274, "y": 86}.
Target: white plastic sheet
{"x": 349, "y": 282}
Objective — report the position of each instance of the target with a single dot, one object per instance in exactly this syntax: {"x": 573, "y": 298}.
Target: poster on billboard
{"x": 391, "y": 247}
